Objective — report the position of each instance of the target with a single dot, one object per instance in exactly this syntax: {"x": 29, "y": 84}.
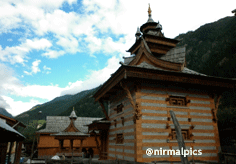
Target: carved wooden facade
{"x": 149, "y": 84}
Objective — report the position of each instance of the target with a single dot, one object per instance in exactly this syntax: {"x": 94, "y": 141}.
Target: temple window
{"x": 119, "y": 108}
{"x": 115, "y": 123}
{"x": 177, "y": 101}
{"x": 119, "y": 138}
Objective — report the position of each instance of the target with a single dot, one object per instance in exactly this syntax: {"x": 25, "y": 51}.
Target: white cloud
{"x": 38, "y": 44}
{"x": 7, "y": 78}
{"x": 18, "y": 54}
{"x": 94, "y": 79}
{"x": 3, "y": 103}
{"x": 18, "y": 107}
{"x": 11, "y": 85}
{"x": 58, "y": 22}
{"x": 34, "y": 68}
{"x": 70, "y": 44}
{"x": 46, "y": 69}
{"x": 53, "y": 54}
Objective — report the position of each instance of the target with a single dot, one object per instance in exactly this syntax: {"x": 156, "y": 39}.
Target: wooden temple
{"x": 67, "y": 136}
{"x": 140, "y": 94}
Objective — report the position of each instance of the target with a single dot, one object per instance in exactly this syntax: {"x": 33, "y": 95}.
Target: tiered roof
{"x": 155, "y": 57}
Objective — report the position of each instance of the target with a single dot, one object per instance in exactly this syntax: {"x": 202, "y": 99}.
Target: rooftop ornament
{"x": 150, "y": 14}
{"x": 73, "y": 115}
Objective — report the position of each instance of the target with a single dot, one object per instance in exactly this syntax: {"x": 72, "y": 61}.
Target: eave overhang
{"x": 126, "y": 72}
{"x": 134, "y": 46}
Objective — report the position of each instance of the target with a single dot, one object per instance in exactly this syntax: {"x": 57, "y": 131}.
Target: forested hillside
{"x": 211, "y": 50}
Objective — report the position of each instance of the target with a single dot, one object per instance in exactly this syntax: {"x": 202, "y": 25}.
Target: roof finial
{"x": 149, "y": 10}
{"x": 73, "y": 108}
{"x": 149, "y": 14}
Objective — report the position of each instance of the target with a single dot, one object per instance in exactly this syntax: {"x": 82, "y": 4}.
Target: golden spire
{"x": 149, "y": 10}
{"x": 73, "y": 108}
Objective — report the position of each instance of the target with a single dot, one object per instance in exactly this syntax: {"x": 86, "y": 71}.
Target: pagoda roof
{"x": 158, "y": 58}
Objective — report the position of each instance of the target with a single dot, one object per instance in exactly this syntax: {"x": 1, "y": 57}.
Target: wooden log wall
{"x": 156, "y": 123}
{"x": 125, "y": 151}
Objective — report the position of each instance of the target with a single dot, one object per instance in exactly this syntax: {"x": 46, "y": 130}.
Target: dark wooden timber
{"x": 103, "y": 108}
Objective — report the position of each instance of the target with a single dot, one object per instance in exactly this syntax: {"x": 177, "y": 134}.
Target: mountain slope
{"x": 86, "y": 107}
{"x": 52, "y": 108}
{"x": 211, "y": 49}
{"x": 5, "y": 112}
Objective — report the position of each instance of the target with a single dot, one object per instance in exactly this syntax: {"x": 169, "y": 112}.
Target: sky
{"x": 50, "y": 48}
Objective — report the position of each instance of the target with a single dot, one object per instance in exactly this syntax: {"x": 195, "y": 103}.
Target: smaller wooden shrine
{"x": 66, "y": 135}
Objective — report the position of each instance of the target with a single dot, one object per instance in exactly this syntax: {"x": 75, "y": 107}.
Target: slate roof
{"x": 175, "y": 55}
{"x": 70, "y": 134}
{"x": 185, "y": 70}
{"x": 127, "y": 60}
{"x": 56, "y": 124}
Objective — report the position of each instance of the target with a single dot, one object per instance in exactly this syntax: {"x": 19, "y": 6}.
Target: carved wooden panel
{"x": 177, "y": 100}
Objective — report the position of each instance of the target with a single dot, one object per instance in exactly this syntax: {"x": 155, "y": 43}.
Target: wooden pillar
{"x": 71, "y": 145}
{"x": 61, "y": 145}
{"x": 9, "y": 153}
{"x": 102, "y": 144}
{"x": 81, "y": 145}
{"x": 3, "y": 152}
{"x": 71, "y": 150}
{"x": 18, "y": 152}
